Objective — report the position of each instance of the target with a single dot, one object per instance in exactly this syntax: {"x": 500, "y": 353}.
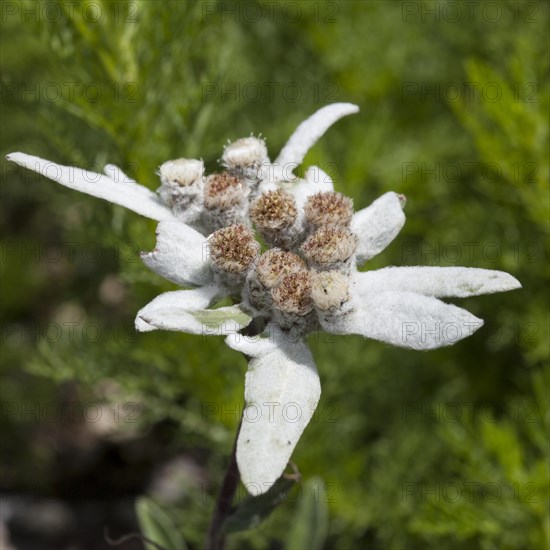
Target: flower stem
{"x": 215, "y": 539}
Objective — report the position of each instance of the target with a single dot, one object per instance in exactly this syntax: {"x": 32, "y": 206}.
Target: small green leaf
{"x": 214, "y": 318}
{"x": 254, "y": 510}
{"x": 310, "y": 526}
{"x": 157, "y": 526}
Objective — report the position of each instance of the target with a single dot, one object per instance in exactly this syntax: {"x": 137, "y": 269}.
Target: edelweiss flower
{"x": 306, "y": 280}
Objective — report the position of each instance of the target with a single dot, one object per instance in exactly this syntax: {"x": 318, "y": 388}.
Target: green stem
{"x": 215, "y": 539}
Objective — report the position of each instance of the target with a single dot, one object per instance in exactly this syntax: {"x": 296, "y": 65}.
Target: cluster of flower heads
{"x": 301, "y": 282}
{"x": 304, "y": 274}
{"x": 305, "y": 279}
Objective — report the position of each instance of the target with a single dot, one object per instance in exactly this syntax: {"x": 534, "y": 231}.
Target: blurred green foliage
{"x": 446, "y": 449}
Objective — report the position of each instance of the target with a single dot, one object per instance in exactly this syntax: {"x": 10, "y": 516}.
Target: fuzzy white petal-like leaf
{"x": 124, "y": 192}
{"x": 208, "y": 322}
{"x": 117, "y": 175}
{"x": 180, "y": 255}
{"x": 319, "y": 179}
{"x": 377, "y": 225}
{"x": 440, "y": 282}
{"x": 316, "y": 181}
{"x": 174, "y": 310}
{"x": 309, "y": 131}
{"x": 406, "y": 320}
{"x": 252, "y": 346}
{"x": 282, "y": 390}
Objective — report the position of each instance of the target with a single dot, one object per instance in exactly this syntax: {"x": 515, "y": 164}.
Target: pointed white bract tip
{"x": 18, "y": 158}
{"x": 181, "y": 172}
{"x": 352, "y": 107}
{"x": 509, "y": 282}
{"x": 338, "y": 110}
{"x": 342, "y": 107}
{"x": 470, "y": 281}
{"x": 454, "y": 325}
{"x": 142, "y": 325}
{"x": 256, "y": 478}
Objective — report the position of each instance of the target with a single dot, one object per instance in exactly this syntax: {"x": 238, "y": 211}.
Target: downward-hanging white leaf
{"x": 282, "y": 390}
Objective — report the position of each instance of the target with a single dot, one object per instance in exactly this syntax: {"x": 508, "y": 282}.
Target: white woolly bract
{"x": 282, "y": 390}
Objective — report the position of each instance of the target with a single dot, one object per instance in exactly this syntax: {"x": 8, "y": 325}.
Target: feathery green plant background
{"x": 443, "y": 449}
